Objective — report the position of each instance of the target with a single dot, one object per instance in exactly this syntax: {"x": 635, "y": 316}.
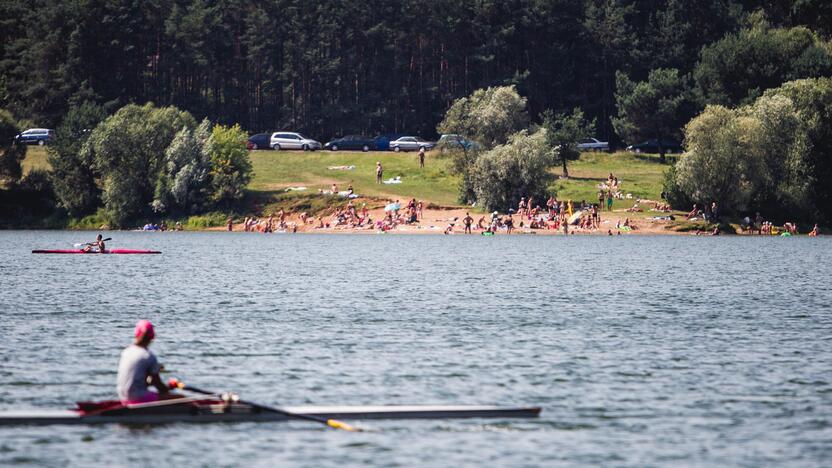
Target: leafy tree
{"x": 127, "y": 150}
{"x": 488, "y": 116}
{"x": 810, "y": 160}
{"x": 771, "y": 156}
{"x": 740, "y": 67}
{"x": 656, "y": 108}
{"x": 185, "y": 181}
{"x": 11, "y": 152}
{"x": 564, "y": 132}
{"x": 72, "y": 176}
{"x": 720, "y": 164}
{"x": 231, "y": 169}
{"x": 517, "y": 169}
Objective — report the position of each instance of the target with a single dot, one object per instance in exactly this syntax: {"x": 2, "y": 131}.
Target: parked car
{"x": 453, "y": 141}
{"x": 652, "y": 146}
{"x": 383, "y": 141}
{"x": 36, "y": 136}
{"x": 260, "y": 141}
{"x": 411, "y": 143}
{"x": 291, "y": 140}
{"x": 593, "y": 144}
{"x": 351, "y": 142}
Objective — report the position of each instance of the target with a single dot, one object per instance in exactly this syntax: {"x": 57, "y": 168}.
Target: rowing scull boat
{"x": 226, "y": 413}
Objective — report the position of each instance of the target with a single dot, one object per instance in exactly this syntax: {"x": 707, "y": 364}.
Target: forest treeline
{"x": 332, "y": 67}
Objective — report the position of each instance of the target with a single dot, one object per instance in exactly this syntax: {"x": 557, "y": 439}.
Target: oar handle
{"x": 174, "y": 383}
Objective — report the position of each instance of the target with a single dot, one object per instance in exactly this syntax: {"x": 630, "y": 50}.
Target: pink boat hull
{"x": 109, "y": 251}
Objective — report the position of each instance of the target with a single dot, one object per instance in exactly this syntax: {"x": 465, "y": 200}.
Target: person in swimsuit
{"x": 379, "y": 172}
{"x": 98, "y": 244}
{"x": 138, "y": 365}
{"x": 509, "y": 222}
{"x": 467, "y": 221}
{"x": 422, "y": 158}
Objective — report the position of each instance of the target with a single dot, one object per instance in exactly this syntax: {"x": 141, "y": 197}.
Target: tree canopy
{"x": 330, "y": 68}
{"x": 772, "y": 155}
{"x": 656, "y": 108}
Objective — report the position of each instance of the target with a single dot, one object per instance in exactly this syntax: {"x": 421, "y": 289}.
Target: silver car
{"x": 291, "y": 140}
{"x": 410, "y": 143}
{"x": 593, "y": 144}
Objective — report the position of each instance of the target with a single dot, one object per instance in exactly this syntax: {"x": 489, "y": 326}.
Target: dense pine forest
{"x": 373, "y": 66}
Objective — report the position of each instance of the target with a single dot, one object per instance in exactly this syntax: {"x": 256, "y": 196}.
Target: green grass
{"x": 212, "y": 219}
{"x": 35, "y": 159}
{"x": 276, "y": 170}
{"x": 640, "y": 175}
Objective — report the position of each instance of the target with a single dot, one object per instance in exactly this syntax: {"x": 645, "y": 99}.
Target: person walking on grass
{"x": 422, "y": 157}
{"x": 379, "y": 172}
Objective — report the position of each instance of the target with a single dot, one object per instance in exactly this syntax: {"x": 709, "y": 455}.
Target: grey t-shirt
{"x": 135, "y": 365}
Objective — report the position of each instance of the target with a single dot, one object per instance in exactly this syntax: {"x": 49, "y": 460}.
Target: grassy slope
{"x": 276, "y": 170}
{"x": 640, "y": 175}
{"x": 35, "y": 158}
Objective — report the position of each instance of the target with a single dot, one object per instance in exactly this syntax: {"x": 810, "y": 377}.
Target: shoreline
{"x": 436, "y": 221}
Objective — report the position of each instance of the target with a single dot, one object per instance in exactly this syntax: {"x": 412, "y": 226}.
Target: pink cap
{"x": 144, "y": 328}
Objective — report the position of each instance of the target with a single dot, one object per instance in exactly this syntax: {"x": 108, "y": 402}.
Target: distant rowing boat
{"x": 109, "y": 251}
{"x": 219, "y": 412}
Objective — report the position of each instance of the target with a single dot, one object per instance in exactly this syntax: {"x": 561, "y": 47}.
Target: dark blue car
{"x": 36, "y": 136}
{"x": 652, "y": 146}
{"x": 352, "y": 142}
{"x": 259, "y": 141}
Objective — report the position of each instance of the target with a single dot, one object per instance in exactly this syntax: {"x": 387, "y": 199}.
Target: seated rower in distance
{"x": 99, "y": 244}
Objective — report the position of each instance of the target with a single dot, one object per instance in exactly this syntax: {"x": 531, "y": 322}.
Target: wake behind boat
{"x": 106, "y": 251}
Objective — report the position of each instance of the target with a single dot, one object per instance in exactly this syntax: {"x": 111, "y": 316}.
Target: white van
{"x": 291, "y": 140}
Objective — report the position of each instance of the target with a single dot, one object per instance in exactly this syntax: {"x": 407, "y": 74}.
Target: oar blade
{"x": 342, "y": 425}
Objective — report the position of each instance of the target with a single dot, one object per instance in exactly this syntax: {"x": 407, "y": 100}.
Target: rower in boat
{"x": 137, "y": 366}
{"x": 98, "y": 244}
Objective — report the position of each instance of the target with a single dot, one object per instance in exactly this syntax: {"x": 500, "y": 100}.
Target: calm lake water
{"x": 642, "y": 351}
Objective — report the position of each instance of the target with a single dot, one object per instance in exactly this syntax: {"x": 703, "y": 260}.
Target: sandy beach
{"x": 437, "y": 221}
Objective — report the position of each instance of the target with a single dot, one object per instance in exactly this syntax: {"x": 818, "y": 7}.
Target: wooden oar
{"x": 174, "y": 383}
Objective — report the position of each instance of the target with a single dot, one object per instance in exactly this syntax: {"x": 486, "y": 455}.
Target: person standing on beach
{"x": 467, "y": 221}
{"x": 609, "y": 200}
{"x": 379, "y": 172}
{"x": 229, "y": 224}
{"x": 422, "y": 157}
